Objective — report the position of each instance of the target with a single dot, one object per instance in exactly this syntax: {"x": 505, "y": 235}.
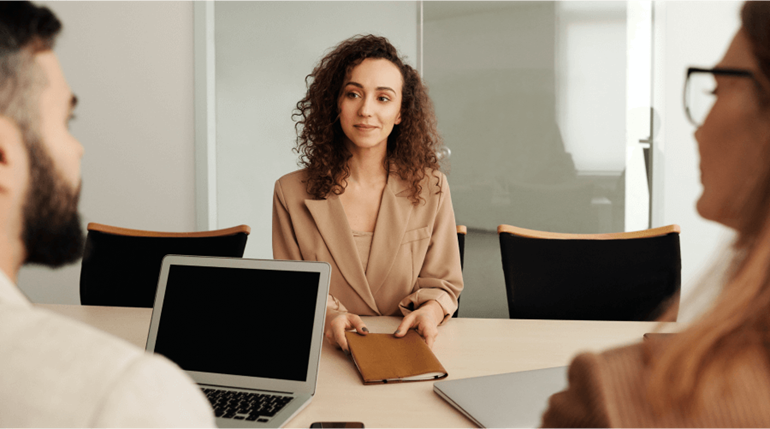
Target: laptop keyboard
{"x": 236, "y": 405}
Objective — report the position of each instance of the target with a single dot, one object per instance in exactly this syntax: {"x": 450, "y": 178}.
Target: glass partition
{"x": 534, "y": 103}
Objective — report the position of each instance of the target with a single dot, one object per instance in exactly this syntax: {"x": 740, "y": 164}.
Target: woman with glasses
{"x": 716, "y": 372}
{"x": 371, "y": 200}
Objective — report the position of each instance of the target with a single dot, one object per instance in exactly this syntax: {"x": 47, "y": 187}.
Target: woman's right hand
{"x": 338, "y": 325}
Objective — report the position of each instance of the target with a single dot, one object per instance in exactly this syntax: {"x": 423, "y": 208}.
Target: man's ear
{"x": 10, "y": 138}
{"x": 12, "y": 153}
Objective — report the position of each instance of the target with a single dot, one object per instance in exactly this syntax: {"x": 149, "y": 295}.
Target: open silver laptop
{"x": 512, "y": 400}
{"x": 248, "y": 331}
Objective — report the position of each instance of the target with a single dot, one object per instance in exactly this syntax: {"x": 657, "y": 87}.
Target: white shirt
{"x": 55, "y": 371}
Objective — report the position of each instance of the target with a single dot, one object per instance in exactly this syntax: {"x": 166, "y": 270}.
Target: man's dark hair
{"x": 23, "y": 24}
{"x": 25, "y": 29}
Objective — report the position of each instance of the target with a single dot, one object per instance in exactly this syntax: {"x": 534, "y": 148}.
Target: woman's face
{"x": 370, "y": 104}
{"x": 732, "y": 138}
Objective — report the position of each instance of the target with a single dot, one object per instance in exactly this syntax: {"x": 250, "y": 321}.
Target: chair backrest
{"x": 121, "y": 266}
{"x": 462, "y": 230}
{"x": 617, "y": 276}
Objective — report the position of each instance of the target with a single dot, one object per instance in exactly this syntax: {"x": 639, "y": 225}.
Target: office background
{"x": 132, "y": 67}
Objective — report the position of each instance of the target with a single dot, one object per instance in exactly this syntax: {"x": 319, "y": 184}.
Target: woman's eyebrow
{"x": 379, "y": 88}
{"x": 356, "y": 84}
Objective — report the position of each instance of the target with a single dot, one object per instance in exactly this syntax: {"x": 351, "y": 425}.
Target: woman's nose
{"x": 366, "y": 107}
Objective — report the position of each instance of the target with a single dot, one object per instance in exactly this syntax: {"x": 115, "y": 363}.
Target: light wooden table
{"x": 466, "y": 348}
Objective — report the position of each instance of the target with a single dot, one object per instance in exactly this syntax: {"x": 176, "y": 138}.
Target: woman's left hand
{"x": 424, "y": 320}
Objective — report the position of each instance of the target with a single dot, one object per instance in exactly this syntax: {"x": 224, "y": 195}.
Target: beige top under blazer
{"x": 610, "y": 390}
{"x": 414, "y": 254}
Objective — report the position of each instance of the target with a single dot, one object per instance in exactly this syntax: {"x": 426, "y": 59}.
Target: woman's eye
{"x": 352, "y": 95}
{"x": 383, "y": 98}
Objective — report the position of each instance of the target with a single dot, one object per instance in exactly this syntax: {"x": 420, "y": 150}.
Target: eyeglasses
{"x": 699, "y": 88}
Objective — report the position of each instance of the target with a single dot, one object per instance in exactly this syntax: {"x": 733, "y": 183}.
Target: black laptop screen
{"x": 257, "y": 323}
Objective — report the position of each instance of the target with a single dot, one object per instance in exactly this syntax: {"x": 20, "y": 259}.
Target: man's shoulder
{"x": 39, "y": 330}
{"x": 63, "y": 372}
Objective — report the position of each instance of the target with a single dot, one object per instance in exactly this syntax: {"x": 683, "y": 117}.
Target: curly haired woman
{"x": 371, "y": 200}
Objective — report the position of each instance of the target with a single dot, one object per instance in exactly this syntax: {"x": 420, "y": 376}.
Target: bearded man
{"x": 54, "y": 371}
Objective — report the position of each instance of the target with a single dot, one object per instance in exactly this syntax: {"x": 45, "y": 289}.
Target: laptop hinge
{"x": 244, "y": 388}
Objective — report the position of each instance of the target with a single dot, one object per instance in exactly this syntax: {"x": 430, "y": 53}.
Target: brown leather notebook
{"x": 383, "y": 358}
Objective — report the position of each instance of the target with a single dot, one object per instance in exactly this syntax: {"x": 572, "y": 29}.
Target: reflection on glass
{"x": 530, "y": 98}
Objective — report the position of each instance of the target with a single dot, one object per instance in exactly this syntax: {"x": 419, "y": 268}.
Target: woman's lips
{"x": 362, "y": 127}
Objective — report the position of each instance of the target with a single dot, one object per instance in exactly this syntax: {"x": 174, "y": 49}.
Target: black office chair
{"x": 121, "y": 266}
{"x": 618, "y": 276}
{"x": 461, "y": 232}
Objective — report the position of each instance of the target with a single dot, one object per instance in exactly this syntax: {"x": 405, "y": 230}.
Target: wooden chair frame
{"x": 531, "y": 233}
{"x": 107, "y": 229}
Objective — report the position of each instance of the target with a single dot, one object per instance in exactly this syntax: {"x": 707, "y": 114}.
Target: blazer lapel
{"x": 329, "y": 216}
{"x": 392, "y": 220}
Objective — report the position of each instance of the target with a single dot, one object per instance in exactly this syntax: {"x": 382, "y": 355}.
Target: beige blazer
{"x": 414, "y": 255}
{"x": 609, "y": 390}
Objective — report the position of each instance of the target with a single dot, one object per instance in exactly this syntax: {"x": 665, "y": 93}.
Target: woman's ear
{"x": 398, "y": 119}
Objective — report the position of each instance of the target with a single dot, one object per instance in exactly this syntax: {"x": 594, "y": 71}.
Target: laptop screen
{"x": 238, "y": 321}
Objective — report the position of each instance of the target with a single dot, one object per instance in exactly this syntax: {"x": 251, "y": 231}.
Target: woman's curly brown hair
{"x": 412, "y": 145}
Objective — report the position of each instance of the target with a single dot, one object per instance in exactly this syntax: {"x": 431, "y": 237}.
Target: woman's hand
{"x": 339, "y": 323}
{"x": 424, "y": 320}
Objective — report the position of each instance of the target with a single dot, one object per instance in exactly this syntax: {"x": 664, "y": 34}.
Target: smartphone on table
{"x": 337, "y": 425}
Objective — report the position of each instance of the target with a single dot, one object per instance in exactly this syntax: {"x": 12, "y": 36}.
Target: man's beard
{"x": 51, "y": 232}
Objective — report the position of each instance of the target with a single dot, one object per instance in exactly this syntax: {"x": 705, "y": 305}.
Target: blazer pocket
{"x": 416, "y": 234}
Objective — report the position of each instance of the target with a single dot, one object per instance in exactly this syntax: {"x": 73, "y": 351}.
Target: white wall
{"x": 264, "y": 50}
{"x": 131, "y": 66}
{"x": 688, "y": 34}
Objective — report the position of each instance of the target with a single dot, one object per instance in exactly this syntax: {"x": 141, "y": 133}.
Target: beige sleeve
{"x": 285, "y": 244}
{"x": 334, "y": 304}
{"x": 441, "y": 276}
{"x": 154, "y": 392}
{"x": 583, "y": 403}
{"x": 284, "y": 239}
